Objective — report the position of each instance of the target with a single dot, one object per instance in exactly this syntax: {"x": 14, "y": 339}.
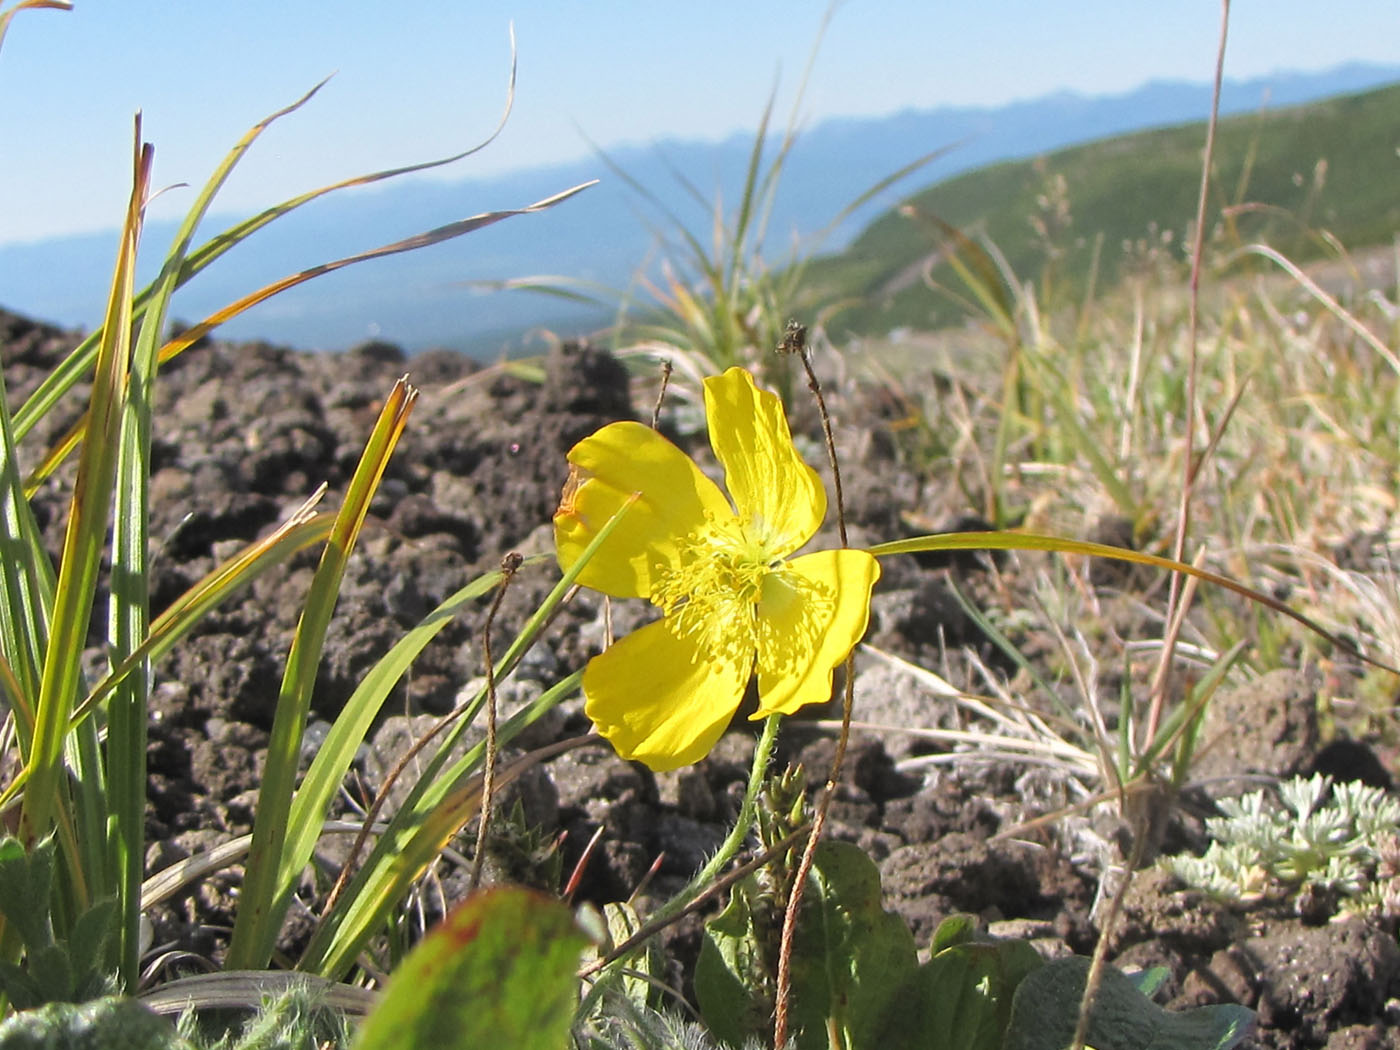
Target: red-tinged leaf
{"x": 500, "y": 971}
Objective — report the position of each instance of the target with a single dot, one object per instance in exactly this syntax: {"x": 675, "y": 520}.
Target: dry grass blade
{"x": 337, "y": 752}
{"x": 190, "y": 336}
{"x": 249, "y": 989}
{"x": 1027, "y": 541}
{"x": 30, "y": 5}
{"x": 174, "y": 877}
{"x": 1333, "y": 307}
{"x": 413, "y": 849}
{"x": 80, "y": 361}
{"x": 300, "y": 531}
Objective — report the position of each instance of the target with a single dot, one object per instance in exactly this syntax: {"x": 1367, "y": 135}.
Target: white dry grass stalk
{"x": 1015, "y": 733}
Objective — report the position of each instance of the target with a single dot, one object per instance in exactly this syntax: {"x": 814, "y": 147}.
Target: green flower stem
{"x": 763, "y": 752}
{"x": 743, "y": 823}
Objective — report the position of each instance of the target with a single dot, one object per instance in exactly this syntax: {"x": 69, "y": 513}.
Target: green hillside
{"x": 1330, "y": 166}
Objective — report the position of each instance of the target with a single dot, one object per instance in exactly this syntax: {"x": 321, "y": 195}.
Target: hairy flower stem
{"x": 795, "y": 341}
{"x": 700, "y": 884}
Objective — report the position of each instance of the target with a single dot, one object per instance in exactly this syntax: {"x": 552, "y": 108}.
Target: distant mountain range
{"x": 1119, "y": 206}
{"x": 427, "y": 298}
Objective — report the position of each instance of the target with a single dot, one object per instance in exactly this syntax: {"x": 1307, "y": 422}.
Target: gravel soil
{"x": 245, "y": 432}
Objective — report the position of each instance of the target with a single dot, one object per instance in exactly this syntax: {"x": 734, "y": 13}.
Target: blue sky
{"x": 419, "y": 80}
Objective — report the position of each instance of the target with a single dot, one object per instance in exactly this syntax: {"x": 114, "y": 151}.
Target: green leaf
{"x": 964, "y": 992}
{"x": 735, "y": 970}
{"x": 103, "y": 1024}
{"x": 22, "y": 990}
{"x": 954, "y": 930}
{"x": 88, "y": 939}
{"x": 261, "y": 906}
{"x": 1046, "y": 1009}
{"x": 52, "y": 972}
{"x": 646, "y": 969}
{"x": 498, "y": 972}
{"x": 850, "y": 957}
{"x": 25, "y": 882}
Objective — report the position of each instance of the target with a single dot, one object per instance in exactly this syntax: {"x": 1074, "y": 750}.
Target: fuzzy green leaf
{"x": 850, "y": 957}
{"x": 735, "y": 969}
{"x": 964, "y": 992}
{"x": 25, "y": 883}
{"x": 1045, "y": 1012}
{"x": 103, "y": 1024}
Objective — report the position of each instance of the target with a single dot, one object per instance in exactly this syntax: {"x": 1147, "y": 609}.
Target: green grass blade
{"x": 1184, "y": 719}
{"x": 1008, "y": 649}
{"x": 340, "y": 934}
{"x": 412, "y": 842}
{"x": 86, "y": 532}
{"x": 79, "y": 363}
{"x": 752, "y": 173}
{"x": 336, "y": 753}
{"x": 255, "y": 928}
{"x": 1068, "y": 415}
{"x": 1030, "y": 541}
{"x": 299, "y": 532}
{"x": 129, "y": 616}
{"x": 26, "y": 585}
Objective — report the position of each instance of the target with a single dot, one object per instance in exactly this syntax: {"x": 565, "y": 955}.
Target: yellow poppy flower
{"x": 732, "y": 598}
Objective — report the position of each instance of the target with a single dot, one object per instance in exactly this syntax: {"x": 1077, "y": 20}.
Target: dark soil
{"x": 245, "y": 432}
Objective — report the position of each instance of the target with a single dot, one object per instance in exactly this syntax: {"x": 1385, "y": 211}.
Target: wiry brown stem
{"x": 1161, "y": 682}
{"x": 509, "y": 565}
{"x": 661, "y": 395}
{"x": 660, "y": 922}
{"x": 795, "y": 341}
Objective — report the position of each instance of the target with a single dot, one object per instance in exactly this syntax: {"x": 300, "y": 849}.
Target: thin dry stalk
{"x": 1189, "y": 466}
{"x": 1178, "y": 596}
{"x": 510, "y": 564}
{"x": 795, "y": 342}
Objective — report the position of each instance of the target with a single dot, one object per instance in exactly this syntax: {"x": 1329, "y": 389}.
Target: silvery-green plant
{"x": 1309, "y": 837}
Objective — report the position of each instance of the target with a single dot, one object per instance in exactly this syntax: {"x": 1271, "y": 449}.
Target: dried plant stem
{"x": 1189, "y": 467}
{"x": 1095, "y": 975}
{"x": 795, "y": 341}
{"x": 1178, "y": 597}
{"x": 510, "y": 564}
{"x": 661, "y": 395}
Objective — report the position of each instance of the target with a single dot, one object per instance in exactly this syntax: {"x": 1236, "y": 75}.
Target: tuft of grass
{"x": 80, "y": 747}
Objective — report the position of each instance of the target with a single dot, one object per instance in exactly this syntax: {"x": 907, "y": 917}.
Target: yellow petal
{"x": 814, "y": 610}
{"x": 658, "y": 700}
{"x": 608, "y": 467}
{"x": 779, "y": 498}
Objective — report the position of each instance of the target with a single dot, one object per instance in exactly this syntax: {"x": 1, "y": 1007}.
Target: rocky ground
{"x": 245, "y": 432}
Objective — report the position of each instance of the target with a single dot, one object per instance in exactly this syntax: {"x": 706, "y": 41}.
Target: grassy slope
{"x": 1119, "y": 189}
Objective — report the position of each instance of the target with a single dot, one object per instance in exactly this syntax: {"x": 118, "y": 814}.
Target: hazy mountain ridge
{"x": 423, "y": 298}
